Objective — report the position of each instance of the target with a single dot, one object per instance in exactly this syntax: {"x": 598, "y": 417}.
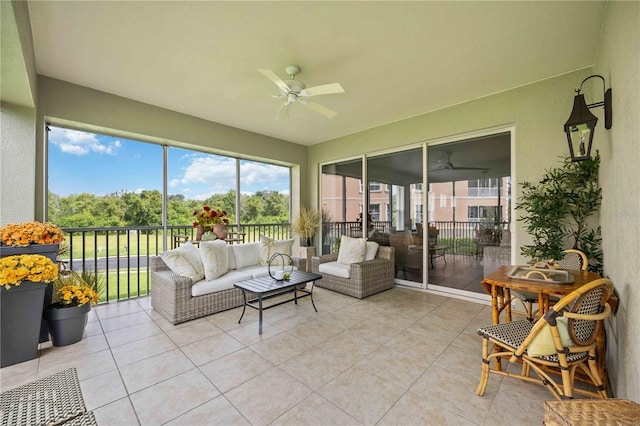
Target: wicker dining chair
{"x": 573, "y": 259}
{"x": 572, "y": 326}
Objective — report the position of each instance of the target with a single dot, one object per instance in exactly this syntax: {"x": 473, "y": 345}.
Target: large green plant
{"x": 559, "y": 210}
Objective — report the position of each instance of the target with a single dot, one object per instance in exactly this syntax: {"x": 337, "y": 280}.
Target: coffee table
{"x": 266, "y": 288}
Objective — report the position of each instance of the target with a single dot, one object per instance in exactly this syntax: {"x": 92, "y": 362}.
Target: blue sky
{"x": 97, "y": 164}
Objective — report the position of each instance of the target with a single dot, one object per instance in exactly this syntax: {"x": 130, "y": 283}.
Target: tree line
{"x": 124, "y": 208}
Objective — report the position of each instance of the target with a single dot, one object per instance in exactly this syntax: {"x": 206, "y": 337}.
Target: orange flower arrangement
{"x": 29, "y": 267}
{"x": 27, "y": 233}
{"x": 77, "y": 295}
{"x": 208, "y": 216}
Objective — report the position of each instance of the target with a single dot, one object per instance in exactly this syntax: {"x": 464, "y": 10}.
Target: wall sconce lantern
{"x": 581, "y": 124}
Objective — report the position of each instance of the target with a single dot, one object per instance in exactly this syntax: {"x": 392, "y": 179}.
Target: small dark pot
{"x": 66, "y": 324}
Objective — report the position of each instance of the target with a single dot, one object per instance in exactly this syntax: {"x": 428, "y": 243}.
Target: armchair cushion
{"x": 371, "y": 250}
{"x": 352, "y": 250}
{"x": 335, "y": 268}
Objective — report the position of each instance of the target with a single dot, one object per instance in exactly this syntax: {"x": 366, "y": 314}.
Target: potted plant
{"x": 73, "y": 297}
{"x": 305, "y": 225}
{"x": 30, "y": 238}
{"x": 211, "y": 220}
{"x": 559, "y": 212}
{"x": 23, "y": 280}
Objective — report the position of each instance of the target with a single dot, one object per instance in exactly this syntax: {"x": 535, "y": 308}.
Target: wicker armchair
{"x": 574, "y": 323}
{"x": 573, "y": 259}
{"x": 365, "y": 278}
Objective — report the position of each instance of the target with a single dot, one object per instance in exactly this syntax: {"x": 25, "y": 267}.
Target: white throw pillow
{"x": 215, "y": 259}
{"x": 246, "y": 254}
{"x": 352, "y": 250}
{"x": 543, "y": 344}
{"x": 185, "y": 261}
{"x": 371, "y": 250}
{"x": 269, "y": 247}
{"x": 231, "y": 257}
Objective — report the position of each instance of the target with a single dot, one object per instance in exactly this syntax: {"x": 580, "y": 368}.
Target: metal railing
{"x": 120, "y": 255}
{"x": 460, "y": 237}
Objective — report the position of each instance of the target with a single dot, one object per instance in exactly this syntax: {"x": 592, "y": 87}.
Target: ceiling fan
{"x": 448, "y": 165}
{"x": 293, "y": 91}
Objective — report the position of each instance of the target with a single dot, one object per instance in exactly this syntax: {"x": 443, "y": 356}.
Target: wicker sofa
{"x": 172, "y": 295}
{"x": 365, "y": 278}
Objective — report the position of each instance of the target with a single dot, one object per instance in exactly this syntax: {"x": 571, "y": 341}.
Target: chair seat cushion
{"x": 512, "y": 334}
{"x": 336, "y": 269}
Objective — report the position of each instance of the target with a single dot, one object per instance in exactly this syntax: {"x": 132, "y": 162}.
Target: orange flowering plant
{"x": 73, "y": 289}
{"x": 208, "y": 216}
{"x": 27, "y": 233}
{"x": 26, "y": 267}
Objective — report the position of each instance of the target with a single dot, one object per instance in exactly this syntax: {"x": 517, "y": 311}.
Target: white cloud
{"x": 80, "y": 143}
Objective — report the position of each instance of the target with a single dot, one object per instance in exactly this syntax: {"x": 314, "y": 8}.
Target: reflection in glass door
{"x": 396, "y": 207}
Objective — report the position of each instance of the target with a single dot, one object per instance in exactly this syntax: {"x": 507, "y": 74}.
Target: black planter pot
{"x": 66, "y": 323}
{"x": 20, "y": 315}
{"x": 49, "y": 251}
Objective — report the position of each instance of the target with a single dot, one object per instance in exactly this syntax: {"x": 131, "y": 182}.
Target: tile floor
{"x": 401, "y": 357}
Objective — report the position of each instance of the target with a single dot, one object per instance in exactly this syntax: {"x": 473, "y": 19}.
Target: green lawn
{"x": 98, "y": 244}
{"x": 133, "y": 277}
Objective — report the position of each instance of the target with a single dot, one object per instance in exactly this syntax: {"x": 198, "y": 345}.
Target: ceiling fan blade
{"x": 277, "y": 80}
{"x": 470, "y": 168}
{"x": 329, "y": 113}
{"x": 283, "y": 112}
{"x": 325, "y": 89}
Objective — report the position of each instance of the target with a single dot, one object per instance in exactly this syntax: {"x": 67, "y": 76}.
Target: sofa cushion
{"x": 246, "y": 254}
{"x": 185, "y": 261}
{"x": 269, "y": 247}
{"x": 231, "y": 257}
{"x": 335, "y": 268}
{"x": 371, "y": 250}
{"x": 215, "y": 259}
{"x": 224, "y": 282}
{"x": 352, "y": 250}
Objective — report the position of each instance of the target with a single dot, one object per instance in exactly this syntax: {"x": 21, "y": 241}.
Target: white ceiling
{"x": 394, "y": 59}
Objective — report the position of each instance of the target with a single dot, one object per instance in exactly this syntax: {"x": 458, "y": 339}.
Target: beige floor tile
{"x": 193, "y": 333}
{"x": 315, "y": 331}
{"x": 123, "y": 321}
{"x": 414, "y": 343}
{"x": 116, "y": 309}
{"x": 170, "y": 399}
{"x": 415, "y": 409}
{"x": 315, "y": 367}
{"x": 155, "y": 369}
{"x": 20, "y": 369}
{"x": 363, "y": 395}
{"x": 376, "y": 331}
{"x": 315, "y": 410}
{"x": 141, "y": 349}
{"x": 131, "y": 334}
{"x": 267, "y": 396}
{"x": 92, "y": 328}
{"x": 528, "y": 397}
{"x": 447, "y": 387}
{"x": 118, "y": 413}
{"x": 280, "y": 348}
{"x": 399, "y": 368}
{"x": 88, "y": 345}
{"x": 248, "y": 333}
{"x": 212, "y": 348}
{"x": 15, "y": 380}
{"x": 228, "y": 320}
{"x": 349, "y": 346}
{"x": 87, "y": 366}
{"x": 293, "y": 317}
{"x": 218, "y": 411}
{"x": 103, "y": 389}
{"x": 234, "y": 369}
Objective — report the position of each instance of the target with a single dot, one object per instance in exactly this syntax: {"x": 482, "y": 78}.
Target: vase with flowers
{"x": 23, "y": 281}
{"x": 74, "y": 294}
{"x": 33, "y": 237}
{"x": 211, "y": 220}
